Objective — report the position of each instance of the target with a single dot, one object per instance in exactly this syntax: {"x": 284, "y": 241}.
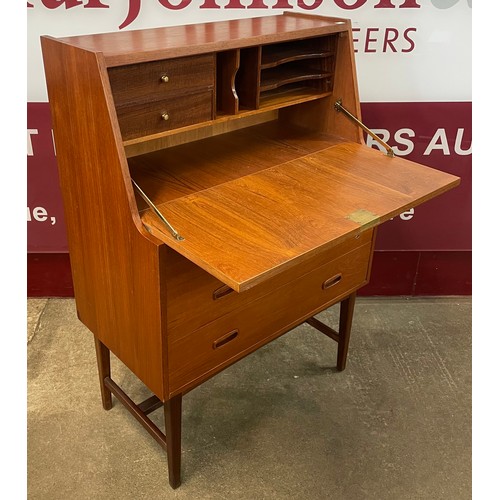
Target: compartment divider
{"x": 227, "y": 100}
{"x": 248, "y": 77}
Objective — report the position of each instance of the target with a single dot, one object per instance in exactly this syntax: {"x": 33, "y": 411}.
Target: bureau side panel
{"x": 115, "y": 264}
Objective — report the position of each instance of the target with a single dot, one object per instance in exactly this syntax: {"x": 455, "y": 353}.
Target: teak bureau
{"x": 217, "y": 193}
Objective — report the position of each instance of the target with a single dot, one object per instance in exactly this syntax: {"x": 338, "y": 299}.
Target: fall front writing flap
{"x": 248, "y": 229}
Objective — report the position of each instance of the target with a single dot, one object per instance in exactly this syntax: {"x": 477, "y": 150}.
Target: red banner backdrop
{"x": 46, "y": 230}
{"x": 436, "y": 134}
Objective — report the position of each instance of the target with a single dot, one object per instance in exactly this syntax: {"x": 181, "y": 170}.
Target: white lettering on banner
{"x": 53, "y": 142}
{"x": 34, "y": 131}
{"x": 398, "y": 137}
{"x": 438, "y": 142}
{"x": 407, "y": 215}
{"x": 458, "y": 144}
{"x": 383, "y": 133}
{"x": 380, "y": 132}
{"x": 31, "y": 131}
{"x": 39, "y": 214}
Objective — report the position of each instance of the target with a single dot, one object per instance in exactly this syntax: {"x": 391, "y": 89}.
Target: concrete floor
{"x": 280, "y": 424}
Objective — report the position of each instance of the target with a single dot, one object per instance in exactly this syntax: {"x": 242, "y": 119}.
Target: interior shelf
{"x": 280, "y": 55}
{"x": 283, "y": 75}
{"x": 289, "y": 95}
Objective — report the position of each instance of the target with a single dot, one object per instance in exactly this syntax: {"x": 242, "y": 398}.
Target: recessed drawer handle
{"x": 222, "y": 292}
{"x": 164, "y": 78}
{"x": 225, "y": 339}
{"x": 165, "y": 116}
{"x": 334, "y": 280}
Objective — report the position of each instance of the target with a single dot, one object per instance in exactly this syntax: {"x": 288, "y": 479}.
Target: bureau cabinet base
{"x": 170, "y": 441}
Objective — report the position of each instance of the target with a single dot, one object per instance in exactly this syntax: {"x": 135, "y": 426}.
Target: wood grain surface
{"x": 196, "y": 298}
{"x": 248, "y": 229}
{"x": 197, "y": 355}
{"x": 143, "y": 82}
{"x": 128, "y": 47}
{"x": 116, "y": 265}
{"x": 174, "y": 172}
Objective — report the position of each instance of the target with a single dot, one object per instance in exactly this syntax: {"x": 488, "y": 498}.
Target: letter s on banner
{"x": 398, "y": 137}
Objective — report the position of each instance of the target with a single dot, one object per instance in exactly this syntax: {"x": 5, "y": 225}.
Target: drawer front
{"x": 196, "y": 298}
{"x": 159, "y": 116}
{"x": 160, "y": 79}
{"x": 204, "y": 352}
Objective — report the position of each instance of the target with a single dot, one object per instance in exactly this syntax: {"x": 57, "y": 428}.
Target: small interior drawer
{"x": 230, "y": 337}
{"x": 160, "y": 79}
{"x": 154, "y": 117}
{"x": 196, "y": 298}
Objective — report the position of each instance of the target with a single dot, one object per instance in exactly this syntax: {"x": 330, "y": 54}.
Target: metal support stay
{"x": 152, "y": 206}
{"x": 338, "y": 107}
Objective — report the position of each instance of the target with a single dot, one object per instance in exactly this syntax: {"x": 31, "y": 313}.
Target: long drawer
{"x": 196, "y": 298}
{"x": 197, "y": 355}
{"x": 157, "y": 80}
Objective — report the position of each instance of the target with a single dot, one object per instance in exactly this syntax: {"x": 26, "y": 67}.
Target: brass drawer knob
{"x": 165, "y": 116}
{"x": 164, "y": 78}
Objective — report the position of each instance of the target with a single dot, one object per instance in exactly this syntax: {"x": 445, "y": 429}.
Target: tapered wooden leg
{"x": 345, "y": 323}
{"x": 104, "y": 369}
{"x": 173, "y": 420}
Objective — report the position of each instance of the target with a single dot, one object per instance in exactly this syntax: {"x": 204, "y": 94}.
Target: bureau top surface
{"x": 127, "y": 47}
